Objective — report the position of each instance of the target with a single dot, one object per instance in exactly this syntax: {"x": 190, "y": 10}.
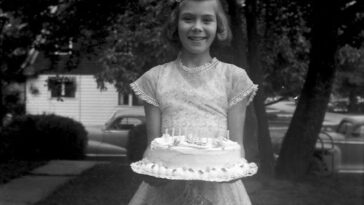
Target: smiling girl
{"x": 195, "y": 90}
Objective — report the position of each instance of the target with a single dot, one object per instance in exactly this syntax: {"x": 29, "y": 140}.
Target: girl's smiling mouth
{"x": 197, "y": 38}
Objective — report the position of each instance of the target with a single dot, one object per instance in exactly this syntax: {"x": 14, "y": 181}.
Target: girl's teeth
{"x": 196, "y": 38}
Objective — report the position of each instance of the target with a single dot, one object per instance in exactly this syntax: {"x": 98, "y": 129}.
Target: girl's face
{"x": 197, "y": 26}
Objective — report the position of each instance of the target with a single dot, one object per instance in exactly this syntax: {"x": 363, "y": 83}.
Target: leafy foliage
{"x": 135, "y": 43}
{"x": 43, "y": 137}
{"x": 126, "y": 36}
{"x": 349, "y": 82}
{"x": 351, "y": 72}
{"x": 285, "y": 46}
{"x": 286, "y": 35}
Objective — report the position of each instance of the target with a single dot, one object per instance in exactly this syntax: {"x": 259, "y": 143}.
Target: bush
{"x": 137, "y": 143}
{"x": 43, "y": 137}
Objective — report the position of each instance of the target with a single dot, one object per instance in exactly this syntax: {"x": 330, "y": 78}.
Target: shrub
{"x": 43, "y": 137}
{"x": 16, "y": 138}
{"x": 137, "y": 143}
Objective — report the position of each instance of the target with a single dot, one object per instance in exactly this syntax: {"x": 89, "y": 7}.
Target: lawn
{"x": 11, "y": 169}
{"x": 113, "y": 183}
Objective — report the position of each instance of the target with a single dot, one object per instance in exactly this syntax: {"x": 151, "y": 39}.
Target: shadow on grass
{"x": 115, "y": 184}
{"x": 11, "y": 169}
{"x": 313, "y": 190}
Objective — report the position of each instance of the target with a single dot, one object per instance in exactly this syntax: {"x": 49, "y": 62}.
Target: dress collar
{"x": 198, "y": 69}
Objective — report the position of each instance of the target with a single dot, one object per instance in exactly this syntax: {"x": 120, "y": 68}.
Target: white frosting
{"x": 188, "y": 158}
{"x": 180, "y": 142}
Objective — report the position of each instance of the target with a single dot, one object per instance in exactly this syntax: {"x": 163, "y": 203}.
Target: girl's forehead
{"x": 204, "y": 7}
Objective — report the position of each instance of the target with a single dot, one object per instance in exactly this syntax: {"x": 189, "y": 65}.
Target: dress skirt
{"x": 192, "y": 193}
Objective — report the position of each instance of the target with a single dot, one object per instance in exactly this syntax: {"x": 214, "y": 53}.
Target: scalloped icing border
{"x": 222, "y": 174}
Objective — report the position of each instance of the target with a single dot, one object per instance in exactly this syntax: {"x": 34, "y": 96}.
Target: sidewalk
{"x": 42, "y": 181}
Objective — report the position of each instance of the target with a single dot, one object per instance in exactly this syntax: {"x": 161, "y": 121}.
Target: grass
{"x": 104, "y": 184}
{"x": 113, "y": 183}
{"x": 11, "y": 169}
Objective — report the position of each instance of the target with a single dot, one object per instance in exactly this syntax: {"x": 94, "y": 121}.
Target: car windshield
{"x": 345, "y": 127}
{"x": 125, "y": 122}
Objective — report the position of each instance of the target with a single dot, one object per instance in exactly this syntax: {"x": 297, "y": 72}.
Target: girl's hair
{"x": 223, "y": 33}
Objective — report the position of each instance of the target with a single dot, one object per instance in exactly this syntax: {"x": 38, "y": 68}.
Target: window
{"x": 62, "y": 87}
{"x": 129, "y": 99}
{"x": 125, "y": 123}
{"x": 345, "y": 127}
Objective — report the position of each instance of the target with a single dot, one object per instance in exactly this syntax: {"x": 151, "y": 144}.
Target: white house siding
{"x": 96, "y": 105}
{"x": 90, "y": 105}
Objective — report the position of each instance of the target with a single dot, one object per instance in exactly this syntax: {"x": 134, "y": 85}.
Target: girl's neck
{"x": 193, "y": 60}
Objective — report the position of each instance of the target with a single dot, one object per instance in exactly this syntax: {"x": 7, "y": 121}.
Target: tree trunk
{"x": 3, "y": 20}
{"x": 353, "y": 102}
{"x": 264, "y": 142}
{"x": 299, "y": 143}
{"x": 238, "y": 44}
{"x": 256, "y": 134}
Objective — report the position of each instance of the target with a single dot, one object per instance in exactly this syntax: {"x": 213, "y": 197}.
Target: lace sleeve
{"x": 241, "y": 87}
{"x": 145, "y": 86}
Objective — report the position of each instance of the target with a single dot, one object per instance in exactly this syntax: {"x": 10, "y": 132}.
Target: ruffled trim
{"x": 142, "y": 95}
{"x": 250, "y": 93}
{"x": 198, "y": 69}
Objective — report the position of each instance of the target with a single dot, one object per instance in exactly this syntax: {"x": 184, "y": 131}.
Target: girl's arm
{"x": 153, "y": 121}
{"x": 153, "y": 124}
{"x": 236, "y": 122}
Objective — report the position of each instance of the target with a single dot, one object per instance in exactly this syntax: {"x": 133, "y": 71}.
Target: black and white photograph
{"x": 181, "y": 102}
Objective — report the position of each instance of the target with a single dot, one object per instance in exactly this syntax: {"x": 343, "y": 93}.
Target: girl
{"x": 195, "y": 90}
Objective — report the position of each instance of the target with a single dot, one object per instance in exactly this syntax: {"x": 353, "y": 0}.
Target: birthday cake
{"x": 187, "y": 157}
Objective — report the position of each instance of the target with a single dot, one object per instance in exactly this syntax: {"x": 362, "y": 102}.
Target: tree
{"x": 284, "y": 46}
{"x": 254, "y": 60}
{"x": 349, "y": 80}
{"x": 134, "y": 43}
{"x": 300, "y": 139}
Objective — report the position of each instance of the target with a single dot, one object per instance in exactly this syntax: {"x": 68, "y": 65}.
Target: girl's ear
{"x": 220, "y": 36}
{"x": 223, "y": 35}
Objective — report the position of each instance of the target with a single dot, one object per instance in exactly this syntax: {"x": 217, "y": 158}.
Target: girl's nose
{"x": 197, "y": 26}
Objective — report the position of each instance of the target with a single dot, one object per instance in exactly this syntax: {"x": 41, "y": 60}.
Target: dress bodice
{"x": 194, "y": 97}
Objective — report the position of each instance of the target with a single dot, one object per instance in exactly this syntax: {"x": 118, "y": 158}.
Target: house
{"x": 72, "y": 93}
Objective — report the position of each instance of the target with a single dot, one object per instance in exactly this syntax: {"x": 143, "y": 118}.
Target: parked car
{"x": 340, "y": 147}
{"x": 113, "y": 136}
{"x": 344, "y": 145}
{"x": 338, "y": 106}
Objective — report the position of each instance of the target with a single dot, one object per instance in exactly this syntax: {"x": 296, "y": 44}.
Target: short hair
{"x": 223, "y": 32}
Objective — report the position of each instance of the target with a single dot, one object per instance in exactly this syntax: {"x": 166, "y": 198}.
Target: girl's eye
{"x": 208, "y": 20}
{"x": 187, "y": 17}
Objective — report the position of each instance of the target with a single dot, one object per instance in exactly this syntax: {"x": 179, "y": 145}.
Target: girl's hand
{"x": 154, "y": 181}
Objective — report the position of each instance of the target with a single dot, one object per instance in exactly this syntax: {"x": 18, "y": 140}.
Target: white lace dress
{"x": 194, "y": 97}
